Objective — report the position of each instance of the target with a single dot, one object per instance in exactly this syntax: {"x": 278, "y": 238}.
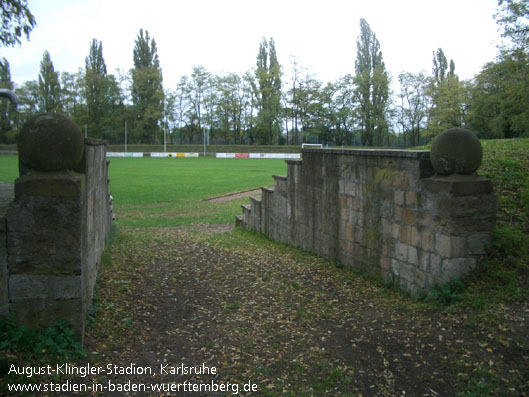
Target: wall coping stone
{"x": 458, "y": 185}
{"x": 63, "y": 183}
{"x": 95, "y": 142}
{"x": 268, "y": 189}
{"x": 282, "y": 177}
{"x": 293, "y": 162}
{"x": 420, "y": 154}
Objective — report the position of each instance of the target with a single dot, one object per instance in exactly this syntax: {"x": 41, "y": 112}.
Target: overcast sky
{"x": 224, "y": 35}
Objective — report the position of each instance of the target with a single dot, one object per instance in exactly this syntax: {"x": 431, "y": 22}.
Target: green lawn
{"x": 168, "y": 192}
{"x": 8, "y": 168}
{"x": 152, "y": 192}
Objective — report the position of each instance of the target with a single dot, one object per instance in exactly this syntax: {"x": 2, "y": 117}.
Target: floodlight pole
{"x": 204, "y": 135}
{"x": 125, "y": 136}
{"x": 164, "y": 126}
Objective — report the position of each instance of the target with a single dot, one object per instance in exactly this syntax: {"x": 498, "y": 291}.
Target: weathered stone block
{"x": 424, "y": 261}
{"x": 65, "y": 287}
{"x": 419, "y": 278}
{"x": 427, "y": 240}
{"x": 386, "y": 227}
{"x": 395, "y": 267}
{"x": 385, "y": 263}
{"x": 412, "y": 256}
{"x": 407, "y": 273}
{"x": 401, "y": 179}
{"x": 401, "y": 251}
{"x": 395, "y": 231}
{"x": 423, "y": 219}
{"x": 452, "y": 269}
{"x": 458, "y": 185}
{"x": 398, "y": 197}
{"x": 408, "y": 216}
{"x": 4, "y": 276}
{"x": 27, "y": 286}
{"x": 411, "y": 198}
{"x": 449, "y": 246}
{"x": 405, "y": 234}
{"x": 479, "y": 243}
{"x": 46, "y": 313}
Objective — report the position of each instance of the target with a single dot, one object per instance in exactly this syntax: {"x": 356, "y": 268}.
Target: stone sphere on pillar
{"x": 50, "y": 142}
{"x": 456, "y": 151}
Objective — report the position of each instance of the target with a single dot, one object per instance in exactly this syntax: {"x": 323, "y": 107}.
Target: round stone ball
{"x": 456, "y": 151}
{"x": 50, "y": 142}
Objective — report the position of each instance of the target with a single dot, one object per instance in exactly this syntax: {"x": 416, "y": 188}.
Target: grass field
{"x": 152, "y": 192}
{"x": 168, "y": 192}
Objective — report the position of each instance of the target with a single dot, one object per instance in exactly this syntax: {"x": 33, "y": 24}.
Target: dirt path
{"x": 286, "y": 321}
{"x": 234, "y": 195}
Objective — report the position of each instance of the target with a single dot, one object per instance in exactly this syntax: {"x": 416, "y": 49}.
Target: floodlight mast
{"x": 165, "y": 125}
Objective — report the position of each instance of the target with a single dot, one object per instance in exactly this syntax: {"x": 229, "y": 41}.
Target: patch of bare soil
{"x": 287, "y": 322}
{"x": 233, "y": 196}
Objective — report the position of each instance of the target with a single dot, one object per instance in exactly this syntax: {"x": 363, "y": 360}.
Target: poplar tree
{"x": 268, "y": 75}
{"x": 147, "y": 90}
{"x": 447, "y": 95}
{"x": 96, "y": 85}
{"x": 49, "y": 87}
{"x": 372, "y": 87}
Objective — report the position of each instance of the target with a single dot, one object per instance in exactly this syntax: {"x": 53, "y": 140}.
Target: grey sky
{"x": 224, "y": 35}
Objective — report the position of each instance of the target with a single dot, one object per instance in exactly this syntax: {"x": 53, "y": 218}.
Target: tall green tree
{"x": 440, "y": 69}
{"x": 49, "y": 86}
{"x": 513, "y": 17}
{"x": 96, "y": 87}
{"x": 7, "y": 109}
{"x": 500, "y": 97}
{"x": 413, "y": 106}
{"x": 147, "y": 90}
{"x": 372, "y": 87}
{"x": 196, "y": 90}
{"x": 448, "y": 95}
{"x": 17, "y": 21}
{"x": 28, "y": 96}
{"x": 73, "y": 96}
{"x": 268, "y": 75}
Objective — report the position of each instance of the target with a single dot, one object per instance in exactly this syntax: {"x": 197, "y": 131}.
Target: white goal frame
{"x": 312, "y": 145}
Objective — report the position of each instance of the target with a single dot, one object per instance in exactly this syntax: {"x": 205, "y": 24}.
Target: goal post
{"x": 311, "y": 146}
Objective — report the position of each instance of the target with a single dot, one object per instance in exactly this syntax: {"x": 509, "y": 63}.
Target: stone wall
{"x": 385, "y": 212}
{"x": 56, "y": 229}
{"x": 4, "y": 296}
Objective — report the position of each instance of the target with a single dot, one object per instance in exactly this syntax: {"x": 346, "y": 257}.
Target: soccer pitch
{"x": 151, "y": 192}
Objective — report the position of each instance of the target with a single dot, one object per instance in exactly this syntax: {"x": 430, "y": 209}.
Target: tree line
{"x": 266, "y": 105}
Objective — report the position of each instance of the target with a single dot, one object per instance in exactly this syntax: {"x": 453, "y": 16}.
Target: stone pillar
{"x": 462, "y": 206}
{"x": 4, "y": 296}
{"x": 45, "y": 225}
